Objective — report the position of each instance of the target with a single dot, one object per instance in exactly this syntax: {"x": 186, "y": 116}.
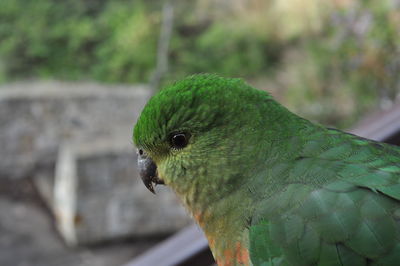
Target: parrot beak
{"x": 148, "y": 171}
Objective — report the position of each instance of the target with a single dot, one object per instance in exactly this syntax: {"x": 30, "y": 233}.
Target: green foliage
{"x": 349, "y": 67}
{"x": 96, "y": 39}
{"x": 128, "y": 53}
{"x": 225, "y": 49}
{"x": 116, "y": 41}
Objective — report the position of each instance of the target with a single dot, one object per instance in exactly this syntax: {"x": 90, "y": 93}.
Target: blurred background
{"x": 75, "y": 74}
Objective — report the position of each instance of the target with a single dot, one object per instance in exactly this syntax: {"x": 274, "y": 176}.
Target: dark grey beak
{"x": 148, "y": 171}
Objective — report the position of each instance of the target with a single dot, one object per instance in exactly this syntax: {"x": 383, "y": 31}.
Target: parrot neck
{"x": 224, "y": 224}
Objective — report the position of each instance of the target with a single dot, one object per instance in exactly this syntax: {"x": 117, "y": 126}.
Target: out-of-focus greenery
{"x": 74, "y": 39}
{"x": 350, "y": 65}
{"x": 328, "y": 60}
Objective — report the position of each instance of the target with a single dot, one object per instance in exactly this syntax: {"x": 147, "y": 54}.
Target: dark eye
{"x": 179, "y": 140}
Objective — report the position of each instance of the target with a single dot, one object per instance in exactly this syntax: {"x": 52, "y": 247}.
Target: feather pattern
{"x": 347, "y": 214}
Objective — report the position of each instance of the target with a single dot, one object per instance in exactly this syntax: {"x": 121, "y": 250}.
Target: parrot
{"x": 266, "y": 186}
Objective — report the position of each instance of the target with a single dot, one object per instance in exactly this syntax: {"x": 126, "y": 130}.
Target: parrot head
{"x": 199, "y": 136}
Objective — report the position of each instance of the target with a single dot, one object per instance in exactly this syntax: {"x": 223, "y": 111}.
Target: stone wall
{"x": 74, "y": 140}
{"x": 96, "y": 195}
{"x": 35, "y": 118}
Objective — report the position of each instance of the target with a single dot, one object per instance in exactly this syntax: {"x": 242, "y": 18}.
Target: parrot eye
{"x": 179, "y": 140}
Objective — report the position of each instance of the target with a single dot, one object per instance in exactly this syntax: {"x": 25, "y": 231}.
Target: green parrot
{"x": 267, "y": 186}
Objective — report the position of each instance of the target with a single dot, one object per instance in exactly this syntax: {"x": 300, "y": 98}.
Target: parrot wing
{"x": 352, "y": 220}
